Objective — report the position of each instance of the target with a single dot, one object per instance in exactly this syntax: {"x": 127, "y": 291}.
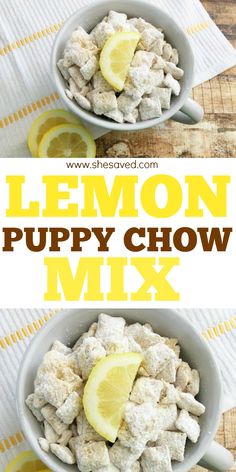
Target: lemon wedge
{"x": 107, "y": 391}
{"x": 47, "y": 120}
{"x": 67, "y": 141}
{"x": 26, "y": 462}
{"x": 116, "y": 57}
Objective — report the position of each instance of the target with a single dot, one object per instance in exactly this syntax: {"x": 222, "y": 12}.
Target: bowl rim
{"x": 61, "y": 315}
{"x": 105, "y": 123}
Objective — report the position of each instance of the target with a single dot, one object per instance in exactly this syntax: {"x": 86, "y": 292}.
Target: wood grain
{"x": 226, "y": 436}
{"x": 215, "y": 136}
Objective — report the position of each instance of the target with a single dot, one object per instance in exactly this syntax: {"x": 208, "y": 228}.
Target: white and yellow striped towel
{"x": 17, "y": 328}
{"x": 27, "y": 30}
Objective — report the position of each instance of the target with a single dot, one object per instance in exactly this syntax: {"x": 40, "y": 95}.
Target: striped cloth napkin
{"x": 17, "y": 328}
{"x": 27, "y": 31}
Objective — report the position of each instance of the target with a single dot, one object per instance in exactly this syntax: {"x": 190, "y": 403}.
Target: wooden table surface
{"x": 215, "y": 136}
{"x": 226, "y": 436}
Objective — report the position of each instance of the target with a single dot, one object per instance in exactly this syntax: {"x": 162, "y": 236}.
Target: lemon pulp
{"x": 67, "y": 140}
{"x": 26, "y": 462}
{"x": 47, "y": 120}
{"x": 116, "y": 57}
{"x": 107, "y": 391}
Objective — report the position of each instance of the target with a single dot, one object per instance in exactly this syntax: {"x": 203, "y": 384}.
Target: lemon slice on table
{"x": 26, "y": 462}
{"x": 47, "y": 120}
{"x": 116, "y": 57}
{"x": 107, "y": 392}
{"x": 67, "y": 141}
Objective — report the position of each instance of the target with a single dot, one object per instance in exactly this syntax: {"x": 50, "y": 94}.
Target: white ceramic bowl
{"x": 88, "y": 17}
{"x": 67, "y": 326}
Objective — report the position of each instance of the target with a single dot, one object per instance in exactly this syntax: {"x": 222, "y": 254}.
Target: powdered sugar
{"x": 162, "y": 411}
{"x": 154, "y": 65}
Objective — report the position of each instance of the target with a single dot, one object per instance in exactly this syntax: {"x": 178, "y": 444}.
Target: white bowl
{"x": 68, "y": 325}
{"x": 88, "y": 17}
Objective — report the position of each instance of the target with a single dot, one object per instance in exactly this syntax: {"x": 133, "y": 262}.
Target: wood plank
{"x": 214, "y": 137}
{"x": 226, "y": 436}
{"x": 230, "y": 429}
{"x": 223, "y": 13}
{"x": 217, "y": 95}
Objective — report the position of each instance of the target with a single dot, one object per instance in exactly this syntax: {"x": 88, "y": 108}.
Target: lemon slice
{"x": 44, "y": 122}
{"x": 26, "y": 462}
{"x": 67, "y": 141}
{"x": 107, "y": 391}
{"x": 116, "y": 57}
